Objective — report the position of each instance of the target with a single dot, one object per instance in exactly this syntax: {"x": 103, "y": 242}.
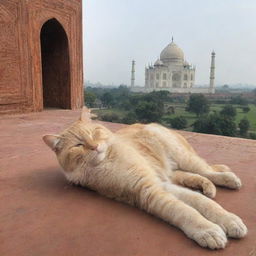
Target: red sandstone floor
{"x": 41, "y": 214}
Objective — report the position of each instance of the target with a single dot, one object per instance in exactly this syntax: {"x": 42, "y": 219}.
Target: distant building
{"x": 173, "y": 73}
{"x": 171, "y": 70}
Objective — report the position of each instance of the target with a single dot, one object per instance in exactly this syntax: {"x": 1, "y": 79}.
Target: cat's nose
{"x": 95, "y": 147}
{"x": 99, "y": 148}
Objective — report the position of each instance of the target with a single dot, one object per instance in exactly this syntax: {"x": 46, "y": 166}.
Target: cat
{"x": 149, "y": 166}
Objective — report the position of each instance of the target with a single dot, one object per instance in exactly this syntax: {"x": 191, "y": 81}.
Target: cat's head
{"x": 83, "y": 144}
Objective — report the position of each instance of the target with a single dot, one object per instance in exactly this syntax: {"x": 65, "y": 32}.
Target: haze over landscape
{"x": 115, "y": 32}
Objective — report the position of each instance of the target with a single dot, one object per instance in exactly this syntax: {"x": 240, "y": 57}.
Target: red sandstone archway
{"x": 55, "y": 65}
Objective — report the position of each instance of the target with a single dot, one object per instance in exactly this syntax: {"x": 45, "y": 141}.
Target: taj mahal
{"x": 172, "y": 72}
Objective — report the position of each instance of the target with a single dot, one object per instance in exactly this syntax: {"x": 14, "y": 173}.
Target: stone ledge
{"x": 41, "y": 214}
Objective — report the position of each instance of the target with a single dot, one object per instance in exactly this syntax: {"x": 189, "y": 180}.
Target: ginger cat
{"x": 147, "y": 166}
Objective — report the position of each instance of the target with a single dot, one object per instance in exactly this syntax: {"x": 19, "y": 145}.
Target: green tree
{"x": 149, "y": 111}
{"x": 129, "y": 118}
{"x": 160, "y": 95}
{"x": 90, "y": 98}
{"x": 110, "y": 117}
{"x": 244, "y": 126}
{"x": 178, "y": 122}
{"x": 239, "y": 100}
{"x": 246, "y": 109}
{"x": 198, "y": 104}
{"x": 216, "y": 124}
{"x": 228, "y": 111}
{"x": 254, "y": 92}
{"x": 252, "y": 135}
{"x": 125, "y": 104}
{"x": 107, "y": 99}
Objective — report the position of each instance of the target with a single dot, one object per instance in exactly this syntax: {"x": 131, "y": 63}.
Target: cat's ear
{"x": 86, "y": 115}
{"x": 51, "y": 141}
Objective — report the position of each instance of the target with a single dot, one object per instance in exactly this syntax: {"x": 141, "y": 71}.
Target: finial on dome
{"x": 172, "y": 39}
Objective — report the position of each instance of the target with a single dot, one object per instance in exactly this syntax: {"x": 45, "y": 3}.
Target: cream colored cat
{"x": 146, "y": 166}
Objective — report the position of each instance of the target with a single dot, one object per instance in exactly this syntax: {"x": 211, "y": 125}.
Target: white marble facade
{"x": 170, "y": 71}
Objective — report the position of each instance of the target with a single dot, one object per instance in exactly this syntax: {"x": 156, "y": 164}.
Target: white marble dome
{"x": 186, "y": 63}
{"x": 170, "y": 72}
{"x": 172, "y": 53}
{"x": 158, "y": 63}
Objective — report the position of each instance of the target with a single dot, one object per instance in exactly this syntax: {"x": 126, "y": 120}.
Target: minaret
{"x": 146, "y": 77}
{"x": 133, "y": 74}
{"x": 212, "y": 73}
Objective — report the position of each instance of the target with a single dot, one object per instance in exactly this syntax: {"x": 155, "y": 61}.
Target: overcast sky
{"x": 117, "y": 31}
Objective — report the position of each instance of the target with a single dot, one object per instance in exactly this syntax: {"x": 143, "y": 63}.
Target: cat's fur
{"x": 147, "y": 166}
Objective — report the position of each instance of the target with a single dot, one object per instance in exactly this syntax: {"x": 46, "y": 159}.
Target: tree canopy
{"x": 228, "y": 111}
{"x": 179, "y": 122}
{"x": 90, "y": 98}
{"x": 239, "y": 100}
{"x": 216, "y": 124}
{"x": 198, "y": 104}
{"x": 244, "y": 126}
{"x": 149, "y": 111}
{"x": 107, "y": 99}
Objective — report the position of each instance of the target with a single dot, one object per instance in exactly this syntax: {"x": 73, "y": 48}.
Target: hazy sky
{"x": 117, "y": 31}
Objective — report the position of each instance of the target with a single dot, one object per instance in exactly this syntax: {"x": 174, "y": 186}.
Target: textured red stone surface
{"x": 23, "y": 86}
{"x": 41, "y": 214}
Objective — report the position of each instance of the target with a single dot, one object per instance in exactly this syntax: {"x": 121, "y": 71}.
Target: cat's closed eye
{"x": 79, "y": 145}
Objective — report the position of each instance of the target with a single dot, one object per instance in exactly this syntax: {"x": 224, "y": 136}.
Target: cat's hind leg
{"x": 229, "y": 222}
{"x": 219, "y": 174}
{"x": 194, "y": 181}
{"x": 220, "y": 168}
{"x": 179, "y": 151}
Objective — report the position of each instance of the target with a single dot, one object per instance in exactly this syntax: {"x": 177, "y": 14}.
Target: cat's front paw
{"x": 233, "y": 226}
{"x": 213, "y": 238}
{"x": 231, "y": 180}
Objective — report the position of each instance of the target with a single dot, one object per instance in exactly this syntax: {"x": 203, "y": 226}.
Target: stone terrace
{"x": 41, "y": 214}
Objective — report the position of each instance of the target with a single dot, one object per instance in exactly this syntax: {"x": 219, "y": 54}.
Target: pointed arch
{"x": 55, "y": 65}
